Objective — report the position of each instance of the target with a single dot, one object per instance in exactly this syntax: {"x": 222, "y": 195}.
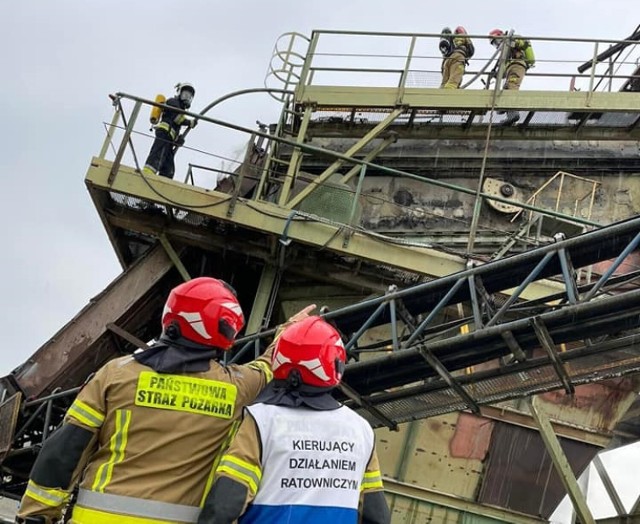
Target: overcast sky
{"x": 61, "y": 59}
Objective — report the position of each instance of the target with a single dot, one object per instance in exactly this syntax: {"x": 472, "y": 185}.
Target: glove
{"x": 193, "y": 123}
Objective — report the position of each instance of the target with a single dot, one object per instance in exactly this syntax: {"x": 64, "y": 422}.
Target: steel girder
{"x": 419, "y": 374}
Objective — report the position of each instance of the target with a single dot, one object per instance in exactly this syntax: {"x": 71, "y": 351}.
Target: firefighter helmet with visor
{"x": 185, "y": 92}
{"x": 206, "y": 311}
{"x": 312, "y": 348}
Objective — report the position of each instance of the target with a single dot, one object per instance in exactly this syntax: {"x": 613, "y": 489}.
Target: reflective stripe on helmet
{"x": 315, "y": 366}
{"x": 196, "y": 323}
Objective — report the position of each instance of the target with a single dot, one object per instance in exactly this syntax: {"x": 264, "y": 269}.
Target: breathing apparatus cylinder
{"x": 446, "y": 41}
{"x": 156, "y": 112}
{"x": 529, "y": 56}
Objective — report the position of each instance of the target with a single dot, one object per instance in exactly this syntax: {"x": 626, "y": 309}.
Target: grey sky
{"x": 61, "y": 59}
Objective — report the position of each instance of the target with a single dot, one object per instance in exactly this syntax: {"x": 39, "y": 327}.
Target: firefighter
{"x": 160, "y": 159}
{"x": 145, "y": 434}
{"x": 456, "y": 56}
{"x": 519, "y": 59}
{"x": 299, "y": 455}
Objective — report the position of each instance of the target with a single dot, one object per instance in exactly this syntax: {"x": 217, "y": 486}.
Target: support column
{"x": 261, "y": 302}
{"x": 560, "y": 462}
{"x": 296, "y": 156}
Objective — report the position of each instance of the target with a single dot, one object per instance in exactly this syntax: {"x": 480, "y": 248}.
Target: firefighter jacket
{"x": 521, "y": 52}
{"x": 463, "y": 45}
{"x": 171, "y": 121}
{"x": 155, "y": 442}
{"x": 299, "y": 464}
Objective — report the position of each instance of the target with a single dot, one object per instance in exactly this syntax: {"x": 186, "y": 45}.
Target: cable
{"x": 378, "y": 236}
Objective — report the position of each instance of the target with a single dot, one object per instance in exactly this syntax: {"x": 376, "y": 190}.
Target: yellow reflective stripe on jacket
{"x": 179, "y": 119}
{"x": 372, "y": 480}
{"x": 48, "y": 496}
{"x": 84, "y": 413}
{"x": 117, "y": 445}
{"x": 241, "y": 470}
{"x": 201, "y": 396}
{"x": 216, "y": 461}
{"x": 264, "y": 367}
{"x": 134, "y": 507}
{"x": 91, "y": 516}
{"x": 166, "y": 127}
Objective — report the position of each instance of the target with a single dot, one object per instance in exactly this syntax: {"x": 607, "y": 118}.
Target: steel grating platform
{"x": 436, "y": 397}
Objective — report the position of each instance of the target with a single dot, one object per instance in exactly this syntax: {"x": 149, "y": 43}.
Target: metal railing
{"x": 402, "y": 60}
{"x": 270, "y": 177}
{"x": 353, "y": 57}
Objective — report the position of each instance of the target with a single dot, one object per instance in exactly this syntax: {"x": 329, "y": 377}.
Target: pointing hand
{"x": 302, "y": 314}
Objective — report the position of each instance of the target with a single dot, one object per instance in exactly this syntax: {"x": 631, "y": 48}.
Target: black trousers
{"x": 160, "y": 158}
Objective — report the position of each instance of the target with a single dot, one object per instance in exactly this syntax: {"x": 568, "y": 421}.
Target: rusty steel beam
{"x": 516, "y": 418}
{"x": 123, "y": 333}
{"x": 62, "y": 354}
{"x": 463, "y": 505}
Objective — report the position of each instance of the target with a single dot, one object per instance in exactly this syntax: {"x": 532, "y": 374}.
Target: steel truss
{"x": 426, "y": 368}
{"x": 425, "y": 351}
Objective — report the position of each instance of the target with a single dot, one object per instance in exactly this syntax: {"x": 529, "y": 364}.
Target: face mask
{"x": 186, "y": 97}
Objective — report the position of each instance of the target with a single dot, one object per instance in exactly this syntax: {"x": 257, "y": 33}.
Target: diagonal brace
{"x": 560, "y": 462}
{"x": 569, "y": 274}
{"x": 542, "y": 333}
{"x": 433, "y": 361}
{"x": 608, "y": 486}
{"x": 124, "y": 334}
{"x": 512, "y": 344}
{"x": 338, "y": 163}
{"x": 392, "y": 138}
{"x": 366, "y": 405}
{"x": 175, "y": 258}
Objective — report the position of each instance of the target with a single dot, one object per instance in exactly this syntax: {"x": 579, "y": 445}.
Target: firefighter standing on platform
{"x": 145, "y": 434}
{"x": 456, "y": 49}
{"x": 160, "y": 159}
{"x": 300, "y": 456}
{"x": 520, "y": 58}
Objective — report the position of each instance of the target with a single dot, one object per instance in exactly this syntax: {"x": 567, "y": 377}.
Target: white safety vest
{"x": 313, "y": 463}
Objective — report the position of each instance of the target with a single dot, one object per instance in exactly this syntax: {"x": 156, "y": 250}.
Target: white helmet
{"x": 185, "y": 92}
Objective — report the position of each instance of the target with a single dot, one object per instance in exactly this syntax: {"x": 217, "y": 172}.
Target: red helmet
{"x": 313, "y": 348}
{"x": 206, "y": 310}
{"x": 495, "y": 37}
{"x": 460, "y": 30}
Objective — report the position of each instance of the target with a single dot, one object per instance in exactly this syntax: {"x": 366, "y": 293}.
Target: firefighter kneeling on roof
{"x": 299, "y": 455}
{"x": 145, "y": 434}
